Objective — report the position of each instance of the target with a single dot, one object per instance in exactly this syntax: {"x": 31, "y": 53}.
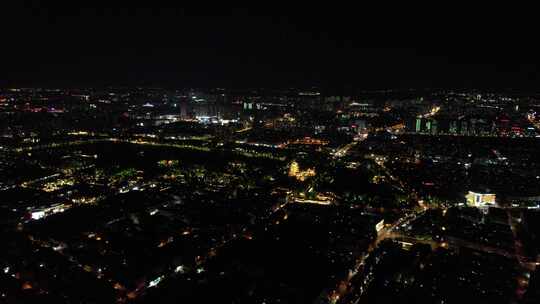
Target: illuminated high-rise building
{"x": 464, "y": 128}
{"x": 453, "y": 127}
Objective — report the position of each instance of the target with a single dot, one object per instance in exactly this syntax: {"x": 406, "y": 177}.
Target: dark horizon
{"x": 56, "y": 45}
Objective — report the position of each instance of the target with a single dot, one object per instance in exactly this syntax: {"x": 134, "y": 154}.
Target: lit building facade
{"x": 477, "y": 199}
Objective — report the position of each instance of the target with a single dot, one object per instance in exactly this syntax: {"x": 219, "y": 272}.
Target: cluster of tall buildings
{"x": 467, "y": 126}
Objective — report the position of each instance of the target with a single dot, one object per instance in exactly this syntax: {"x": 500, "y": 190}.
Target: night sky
{"x": 89, "y": 44}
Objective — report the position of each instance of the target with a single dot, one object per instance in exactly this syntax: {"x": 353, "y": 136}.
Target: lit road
{"x": 451, "y": 242}
{"x": 431, "y": 112}
{"x": 352, "y": 294}
{"x": 355, "y": 292}
{"x": 400, "y": 182}
{"x": 146, "y": 143}
{"x": 523, "y": 278}
{"x": 243, "y": 130}
{"x": 343, "y": 151}
{"x": 61, "y": 144}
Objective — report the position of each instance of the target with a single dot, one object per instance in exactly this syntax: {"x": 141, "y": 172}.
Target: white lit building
{"x": 480, "y": 199}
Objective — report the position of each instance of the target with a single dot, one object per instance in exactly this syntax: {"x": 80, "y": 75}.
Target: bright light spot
{"x": 155, "y": 282}
{"x": 180, "y": 269}
{"x": 38, "y": 214}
